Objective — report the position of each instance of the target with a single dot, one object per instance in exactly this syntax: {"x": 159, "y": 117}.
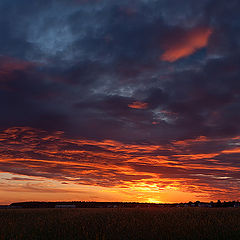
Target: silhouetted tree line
{"x": 217, "y": 204}
{"x": 83, "y": 204}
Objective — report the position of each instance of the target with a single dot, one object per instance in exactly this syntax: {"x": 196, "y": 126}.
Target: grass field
{"x": 122, "y": 224}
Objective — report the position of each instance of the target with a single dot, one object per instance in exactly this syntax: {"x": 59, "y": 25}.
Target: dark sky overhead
{"x": 119, "y": 100}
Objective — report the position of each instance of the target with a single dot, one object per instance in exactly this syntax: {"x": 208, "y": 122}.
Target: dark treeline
{"x": 83, "y": 204}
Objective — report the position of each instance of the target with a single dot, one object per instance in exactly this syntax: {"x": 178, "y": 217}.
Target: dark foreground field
{"x": 123, "y": 224}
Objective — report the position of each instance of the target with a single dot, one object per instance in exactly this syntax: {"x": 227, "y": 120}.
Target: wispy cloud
{"x": 178, "y": 166}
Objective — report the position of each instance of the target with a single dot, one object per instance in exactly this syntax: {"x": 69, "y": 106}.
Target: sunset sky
{"x": 131, "y": 100}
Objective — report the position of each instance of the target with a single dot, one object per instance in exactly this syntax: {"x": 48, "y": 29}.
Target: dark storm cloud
{"x": 100, "y": 55}
{"x": 205, "y": 100}
{"x": 86, "y": 49}
{"x": 26, "y": 95}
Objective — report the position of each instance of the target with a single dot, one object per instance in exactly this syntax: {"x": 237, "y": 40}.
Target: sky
{"x": 104, "y": 100}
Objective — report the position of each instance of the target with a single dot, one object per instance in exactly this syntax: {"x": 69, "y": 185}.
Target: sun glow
{"x": 153, "y": 200}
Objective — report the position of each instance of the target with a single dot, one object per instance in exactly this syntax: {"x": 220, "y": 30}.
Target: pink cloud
{"x": 186, "y": 44}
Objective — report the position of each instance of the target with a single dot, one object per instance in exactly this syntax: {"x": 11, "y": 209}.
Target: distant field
{"x": 122, "y": 224}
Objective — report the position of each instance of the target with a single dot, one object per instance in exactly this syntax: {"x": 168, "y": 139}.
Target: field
{"x": 122, "y": 224}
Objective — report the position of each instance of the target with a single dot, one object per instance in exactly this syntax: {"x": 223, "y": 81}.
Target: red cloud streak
{"x": 138, "y": 105}
{"x": 186, "y": 44}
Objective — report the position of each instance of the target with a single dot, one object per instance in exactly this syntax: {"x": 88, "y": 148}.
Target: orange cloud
{"x": 34, "y": 161}
{"x": 138, "y": 105}
{"x": 187, "y": 44}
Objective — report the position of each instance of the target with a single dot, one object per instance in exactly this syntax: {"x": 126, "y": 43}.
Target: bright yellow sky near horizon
{"x": 51, "y": 190}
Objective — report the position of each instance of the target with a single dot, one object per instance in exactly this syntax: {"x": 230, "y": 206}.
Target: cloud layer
{"x": 207, "y": 168}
